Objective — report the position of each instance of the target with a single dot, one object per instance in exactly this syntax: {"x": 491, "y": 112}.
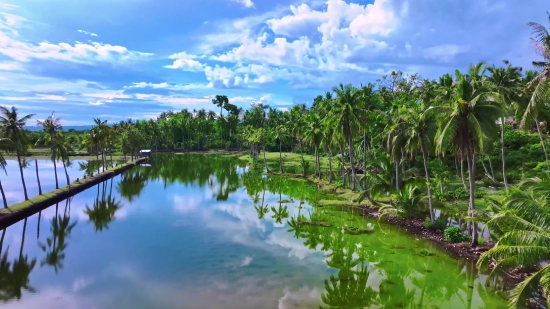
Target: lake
{"x": 203, "y": 231}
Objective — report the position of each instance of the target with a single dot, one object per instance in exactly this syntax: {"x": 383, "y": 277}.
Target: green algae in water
{"x": 222, "y": 255}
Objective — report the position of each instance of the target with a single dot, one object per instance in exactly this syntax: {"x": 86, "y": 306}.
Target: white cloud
{"x": 99, "y": 102}
{"x": 445, "y": 52}
{"x": 247, "y": 260}
{"x": 10, "y": 66}
{"x": 88, "y": 33}
{"x": 185, "y": 62}
{"x": 165, "y": 85}
{"x": 245, "y": 3}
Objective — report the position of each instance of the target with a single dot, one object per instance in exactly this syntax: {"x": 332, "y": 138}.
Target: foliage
{"x": 454, "y": 234}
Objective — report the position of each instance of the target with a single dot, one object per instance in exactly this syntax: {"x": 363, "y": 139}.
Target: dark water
{"x": 192, "y": 231}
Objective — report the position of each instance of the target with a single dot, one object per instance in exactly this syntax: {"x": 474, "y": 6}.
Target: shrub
{"x": 453, "y": 234}
{"x": 480, "y": 241}
{"x": 441, "y": 223}
{"x": 427, "y": 223}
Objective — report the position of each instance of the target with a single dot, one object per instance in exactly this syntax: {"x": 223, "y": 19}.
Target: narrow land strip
{"x": 19, "y": 211}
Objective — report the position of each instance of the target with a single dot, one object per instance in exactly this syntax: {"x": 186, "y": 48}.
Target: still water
{"x": 201, "y": 231}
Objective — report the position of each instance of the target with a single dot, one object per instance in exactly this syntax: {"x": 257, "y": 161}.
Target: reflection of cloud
{"x": 284, "y": 239}
{"x": 302, "y": 298}
{"x": 54, "y": 298}
{"x": 81, "y": 283}
{"x": 186, "y": 203}
{"x": 247, "y": 260}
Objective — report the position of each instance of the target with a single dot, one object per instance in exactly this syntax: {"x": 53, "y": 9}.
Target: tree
{"x": 313, "y": 135}
{"x": 221, "y": 101}
{"x": 12, "y": 128}
{"x": 506, "y": 82}
{"x": 467, "y": 123}
{"x": 51, "y": 127}
{"x": 5, "y": 144}
{"x": 346, "y": 118}
{"x": 280, "y": 133}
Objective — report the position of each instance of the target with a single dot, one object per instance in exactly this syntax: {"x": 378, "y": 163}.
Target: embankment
{"x": 19, "y": 211}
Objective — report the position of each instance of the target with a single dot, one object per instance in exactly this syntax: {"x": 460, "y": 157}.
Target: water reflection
{"x": 197, "y": 231}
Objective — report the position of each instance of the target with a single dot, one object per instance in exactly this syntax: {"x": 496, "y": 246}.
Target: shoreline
{"x": 22, "y": 210}
{"x": 414, "y": 226}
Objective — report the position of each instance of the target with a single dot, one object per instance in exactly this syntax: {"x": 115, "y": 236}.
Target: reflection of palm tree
{"x": 104, "y": 210}
{"x": 279, "y": 214}
{"x": 55, "y": 246}
{"x": 19, "y": 276}
{"x": 131, "y": 185}
{"x": 349, "y": 290}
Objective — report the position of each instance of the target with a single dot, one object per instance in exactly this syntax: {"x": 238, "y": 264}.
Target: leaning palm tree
{"x": 5, "y": 144}
{"x": 539, "y": 88}
{"x": 467, "y": 124}
{"x": 12, "y": 128}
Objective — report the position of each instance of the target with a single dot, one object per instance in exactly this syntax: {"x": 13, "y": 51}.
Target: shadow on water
{"x": 366, "y": 264}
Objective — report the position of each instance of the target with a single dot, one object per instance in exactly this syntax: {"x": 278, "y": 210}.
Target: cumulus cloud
{"x": 245, "y": 3}
{"x": 185, "y": 62}
{"x": 444, "y": 52}
{"x": 88, "y": 33}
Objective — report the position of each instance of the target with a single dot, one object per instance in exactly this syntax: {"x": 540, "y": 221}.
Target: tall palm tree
{"x": 346, "y": 118}
{"x": 221, "y": 101}
{"x": 506, "y": 82}
{"x": 51, "y": 127}
{"x": 280, "y": 133}
{"x": 12, "y": 127}
{"x": 467, "y": 124}
{"x": 418, "y": 129}
{"x": 313, "y": 135}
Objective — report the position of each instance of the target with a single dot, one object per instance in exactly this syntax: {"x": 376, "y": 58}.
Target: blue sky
{"x": 122, "y": 59}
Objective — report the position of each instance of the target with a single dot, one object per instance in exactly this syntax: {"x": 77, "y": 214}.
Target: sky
{"x": 121, "y": 59}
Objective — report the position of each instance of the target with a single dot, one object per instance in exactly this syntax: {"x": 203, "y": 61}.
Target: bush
{"x": 453, "y": 234}
{"x": 480, "y": 241}
{"x": 479, "y": 194}
{"x": 439, "y": 224}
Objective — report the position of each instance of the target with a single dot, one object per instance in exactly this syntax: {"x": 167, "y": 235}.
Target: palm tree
{"x": 346, "y": 116}
{"x": 221, "y": 101}
{"x": 280, "y": 133}
{"x": 12, "y": 128}
{"x": 51, "y": 127}
{"x": 313, "y": 135}
{"x": 5, "y": 144}
{"x": 467, "y": 124}
{"x": 539, "y": 87}
{"x": 522, "y": 226}
{"x": 506, "y": 82}
{"x": 418, "y": 128}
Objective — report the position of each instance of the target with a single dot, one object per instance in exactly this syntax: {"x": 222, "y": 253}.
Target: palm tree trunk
{"x": 329, "y": 153}
{"x": 462, "y": 172}
{"x": 38, "y": 225}
{"x": 55, "y": 172}
{"x": 542, "y": 143}
{"x": 502, "y": 153}
{"x": 491, "y": 167}
{"x": 23, "y": 238}
{"x": 396, "y": 166}
{"x": 265, "y": 161}
{"x": 364, "y": 158}
{"x": 38, "y": 177}
{"x": 317, "y": 166}
{"x": 343, "y": 166}
{"x": 67, "y": 176}
{"x": 22, "y": 177}
{"x": 354, "y": 179}
{"x": 471, "y": 207}
{"x": 425, "y": 158}
{"x": 3, "y": 195}
{"x": 280, "y": 156}
{"x": 302, "y": 155}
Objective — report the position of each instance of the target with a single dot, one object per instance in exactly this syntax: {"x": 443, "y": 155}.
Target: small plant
{"x": 425, "y": 252}
{"x": 453, "y": 234}
{"x": 481, "y": 241}
{"x": 439, "y": 223}
{"x": 427, "y": 223}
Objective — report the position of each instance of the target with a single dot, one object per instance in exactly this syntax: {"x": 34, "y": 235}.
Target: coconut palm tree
{"x": 5, "y": 144}
{"x": 313, "y": 134}
{"x": 12, "y": 128}
{"x": 418, "y": 127}
{"x": 346, "y": 112}
{"x": 280, "y": 133}
{"x": 506, "y": 82}
{"x": 51, "y": 126}
{"x": 522, "y": 226}
{"x": 468, "y": 122}
{"x": 539, "y": 88}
